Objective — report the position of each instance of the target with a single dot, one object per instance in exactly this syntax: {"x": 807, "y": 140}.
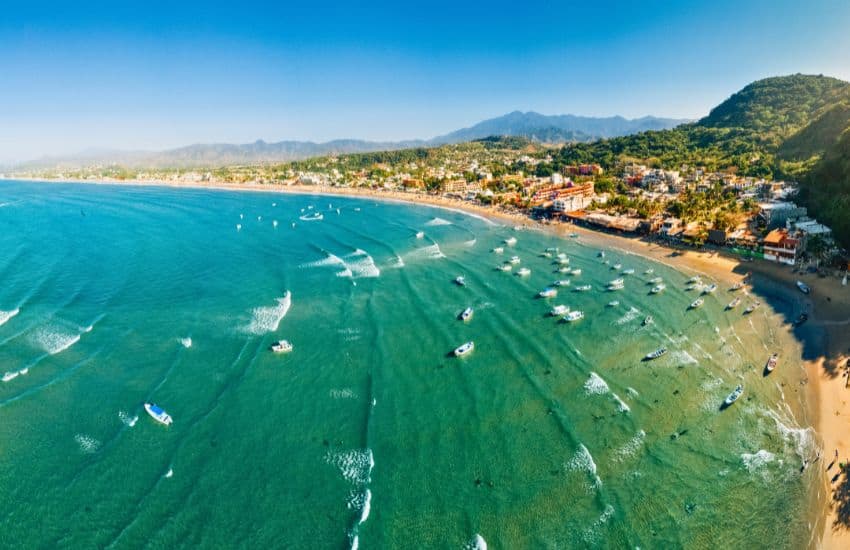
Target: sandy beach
{"x": 823, "y": 339}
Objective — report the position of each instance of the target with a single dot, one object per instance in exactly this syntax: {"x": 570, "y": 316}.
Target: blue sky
{"x": 157, "y": 74}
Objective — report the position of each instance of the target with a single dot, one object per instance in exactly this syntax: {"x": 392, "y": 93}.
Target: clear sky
{"x": 154, "y": 75}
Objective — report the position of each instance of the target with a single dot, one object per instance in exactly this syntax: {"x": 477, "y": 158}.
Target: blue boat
{"x": 158, "y": 414}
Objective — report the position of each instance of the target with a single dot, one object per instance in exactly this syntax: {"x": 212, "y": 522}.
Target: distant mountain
{"x": 557, "y": 128}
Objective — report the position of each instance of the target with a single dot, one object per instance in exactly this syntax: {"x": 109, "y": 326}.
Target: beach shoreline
{"x": 822, "y": 354}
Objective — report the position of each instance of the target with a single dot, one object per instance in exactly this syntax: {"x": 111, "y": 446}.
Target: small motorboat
{"x": 573, "y": 316}
{"x": 751, "y": 308}
{"x": 583, "y": 288}
{"x": 655, "y": 354}
{"x": 657, "y": 289}
{"x": 771, "y": 363}
{"x": 574, "y": 235}
{"x": 562, "y": 261}
{"x": 499, "y": 250}
{"x": 601, "y": 254}
{"x": 734, "y": 396}
{"x": 614, "y": 303}
{"x": 563, "y": 270}
{"x": 466, "y": 314}
{"x": 420, "y": 234}
{"x": 737, "y": 286}
{"x": 460, "y": 281}
{"x": 617, "y": 282}
{"x": 575, "y": 272}
{"x": 629, "y": 271}
{"x": 510, "y": 241}
{"x": 546, "y": 255}
{"x": 649, "y": 271}
{"x": 617, "y": 266}
{"x": 313, "y": 216}
{"x": 548, "y": 292}
{"x": 562, "y": 282}
{"x": 281, "y": 346}
{"x": 10, "y": 376}
{"x": 615, "y": 287}
{"x": 656, "y": 280}
{"x": 464, "y": 349}
{"x": 696, "y": 303}
{"x": 695, "y": 279}
{"x": 559, "y": 310}
{"x": 804, "y": 288}
{"x": 647, "y": 321}
{"x": 505, "y": 267}
{"x": 523, "y": 272}
{"x": 514, "y": 260}
{"x": 733, "y": 304}
{"x": 158, "y": 414}
{"x": 709, "y": 289}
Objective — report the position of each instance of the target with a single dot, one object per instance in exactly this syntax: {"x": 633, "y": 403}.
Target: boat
{"x": 657, "y": 289}
{"x": 562, "y": 255}
{"x": 709, "y": 289}
{"x": 804, "y": 288}
{"x": 464, "y": 349}
{"x": 281, "y": 346}
{"x": 514, "y": 260}
{"x": 510, "y": 241}
{"x": 694, "y": 279}
{"x": 612, "y": 288}
{"x": 737, "y": 286}
{"x": 420, "y": 234}
{"x": 564, "y": 269}
{"x": 696, "y": 303}
{"x": 771, "y": 363}
{"x": 733, "y": 304}
{"x": 613, "y": 303}
{"x": 460, "y": 281}
{"x": 647, "y": 321}
{"x": 573, "y": 316}
{"x": 575, "y": 272}
{"x": 562, "y": 261}
{"x": 547, "y": 293}
{"x": 649, "y": 271}
{"x": 601, "y": 254}
{"x": 466, "y": 314}
{"x": 562, "y": 282}
{"x": 655, "y": 354}
{"x": 505, "y": 267}
{"x": 617, "y": 266}
{"x": 656, "y": 280}
{"x": 158, "y": 414}
{"x": 801, "y": 319}
{"x": 752, "y": 307}
{"x": 24, "y": 370}
{"x": 313, "y": 216}
{"x": 546, "y": 255}
{"x": 10, "y": 376}
{"x": 734, "y": 395}
{"x": 583, "y": 288}
{"x": 523, "y": 272}
{"x": 499, "y": 250}
{"x": 629, "y": 271}
{"x": 617, "y": 282}
{"x": 559, "y": 310}
{"x": 574, "y": 235}
{"x": 552, "y": 249}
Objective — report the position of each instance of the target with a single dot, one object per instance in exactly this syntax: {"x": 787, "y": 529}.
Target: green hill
{"x": 826, "y": 188}
{"x": 819, "y": 136}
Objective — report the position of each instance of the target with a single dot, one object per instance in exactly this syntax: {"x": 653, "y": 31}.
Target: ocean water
{"x": 549, "y": 435}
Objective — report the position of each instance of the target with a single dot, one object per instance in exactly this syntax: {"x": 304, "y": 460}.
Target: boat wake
{"x": 358, "y": 264}
{"x": 476, "y": 543}
{"x": 6, "y": 315}
{"x": 267, "y": 319}
{"x": 87, "y": 443}
{"x": 186, "y": 342}
{"x": 128, "y": 420}
{"x": 437, "y": 222}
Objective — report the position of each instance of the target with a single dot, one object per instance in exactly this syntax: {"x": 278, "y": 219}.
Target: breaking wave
{"x": 267, "y": 319}
{"x": 437, "y": 221}
{"x": 6, "y": 315}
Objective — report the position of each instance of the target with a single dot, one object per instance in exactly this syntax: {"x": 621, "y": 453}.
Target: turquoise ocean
{"x": 369, "y": 434}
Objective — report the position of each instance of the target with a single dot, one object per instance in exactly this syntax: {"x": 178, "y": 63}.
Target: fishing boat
{"x": 734, "y": 396}
{"x": 313, "y": 216}
{"x": 694, "y": 279}
{"x": 771, "y": 363}
{"x": 657, "y": 289}
{"x": 696, "y": 303}
{"x": 629, "y": 271}
{"x": 281, "y": 346}
{"x": 709, "y": 289}
{"x": 752, "y": 307}
{"x": 575, "y": 272}
{"x": 583, "y": 288}
{"x": 613, "y": 303}
{"x": 573, "y": 316}
{"x": 737, "y": 286}
{"x": 617, "y": 266}
{"x": 648, "y": 320}
{"x": 559, "y": 310}
{"x": 499, "y": 250}
{"x": 460, "y": 280}
{"x": 466, "y": 314}
{"x": 601, "y": 254}
{"x": 574, "y": 235}
{"x": 158, "y": 414}
{"x": 655, "y": 354}
{"x": 563, "y": 269}
{"x": 510, "y": 241}
{"x": 617, "y": 282}
{"x": 562, "y": 261}
{"x": 514, "y": 260}
{"x": 548, "y": 293}
{"x": 656, "y": 280}
{"x": 733, "y": 304}
{"x": 464, "y": 349}
{"x": 420, "y": 234}
{"x": 562, "y": 282}
{"x": 649, "y": 271}
{"x": 804, "y": 288}
{"x": 505, "y": 267}
{"x": 552, "y": 249}
{"x": 613, "y": 288}
{"x": 546, "y": 255}
{"x": 523, "y": 272}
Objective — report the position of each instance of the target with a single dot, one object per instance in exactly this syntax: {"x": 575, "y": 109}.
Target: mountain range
{"x": 554, "y": 129}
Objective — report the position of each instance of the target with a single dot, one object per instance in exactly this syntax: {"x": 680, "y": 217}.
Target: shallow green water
{"x": 548, "y": 435}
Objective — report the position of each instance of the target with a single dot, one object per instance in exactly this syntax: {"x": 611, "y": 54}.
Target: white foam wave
{"x": 128, "y": 420}
{"x": 801, "y": 440}
{"x": 54, "y": 340}
{"x": 6, "y": 315}
{"x": 343, "y": 393}
{"x": 582, "y": 461}
{"x": 682, "y": 357}
{"x": 367, "y": 506}
{"x": 755, "y": 461}
{"x": 87, "y": 443}
{"x": 595, "y": 385}
{"x": 431, "y": 252}
{"x": 267, "y": 319}
{"x": 355, "y": 465}
{"x": 399, "y": 263}
{"x": 330, "y": 260}
{"x": 186, "y": 342}
{"x": 437, "y": 221}
{"x": 169, "y": 473}
{"x": 621, "y": 405}
{"x": 591, "y": 534}
{"x": 361, "y": 264}
{"x": 470, "y": 243}
{"x": 631, "y": 447}
{"x": 477, "y": 543}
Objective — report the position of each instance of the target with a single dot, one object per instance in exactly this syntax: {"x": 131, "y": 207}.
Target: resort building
{"x": 780, "y": 247}
{"x": 671, "y": 227}
{"x": 775, "y": 214}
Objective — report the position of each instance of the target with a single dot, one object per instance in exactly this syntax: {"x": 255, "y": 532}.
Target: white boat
{"x": 657, "y": 289}
{"x": 733, "y": 304}
{"x": 752, "y": 307}
{"x": 464, "y": 349}
{"x": 575, "y": 272}
{"x": 583, "y": 288}
{"x": 647, "y": 321}
{"x": 737, "y": 286}
{"x": 613, "y": 303}
{"x": 281, "y": 346}
{"x": 574, "y": 235}
{"x": 510, "y": 241}
{"x": 420, "y": 234}
{"x": 655, "y": 354}
{"x": 709, "y": 289}
{"x": 617, "y": 282}
{"x": 158, "y": 414}
{"x": 548, "y": 293}
{"x": 613, "y": 288}
{"x": 562, "y": 282}
{"x": 629, "y": 271}
{"x": 696, "y": 303}
{"x": 564, "y": 270}
{"x": 24, "y": 370}
{"x": 656, "y": 280}
{"x": 460, "y": 280}
{"x": 617, "y": 266}
{"x": 523, "y": 272}
{"x": 562, "y": 255}
{"x": 771, "y": 363}
{"x": 313, "y": 216}
{"x": 546, "y": 255}
{"x": 573, "y": 316}
{"x": 514, "y": 260}
{"x": 804, "y": 288}
{"x": 694, "y": 279}
{"x": 466, "y": 314}
{"x": 734, "y": 395}
{"x": 10, "y": 376}
{"x": 505, "y": 267}
{"x": 601, "y": 254}
{"x": 499, "y": 250}
{"x": 649, "y": 271}
{"x": 562, "y": 261}
{"x": 559, "y": 310}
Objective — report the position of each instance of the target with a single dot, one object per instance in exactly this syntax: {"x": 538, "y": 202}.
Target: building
{"x": 458, "y": 187}
{"x": 671, "y": 227}
{"x": 574, "y": 197}
{"x": 780, "y": 247}
{"x": 775, "y": 214}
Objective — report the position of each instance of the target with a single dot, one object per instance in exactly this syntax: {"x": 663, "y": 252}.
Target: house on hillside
{"x": 781, "y": 247}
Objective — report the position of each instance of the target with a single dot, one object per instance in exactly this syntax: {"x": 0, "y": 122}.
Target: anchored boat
{"x": 158, "y": 414}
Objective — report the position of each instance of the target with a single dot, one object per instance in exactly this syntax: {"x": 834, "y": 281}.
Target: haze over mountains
{"x": 531, "y": 125}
